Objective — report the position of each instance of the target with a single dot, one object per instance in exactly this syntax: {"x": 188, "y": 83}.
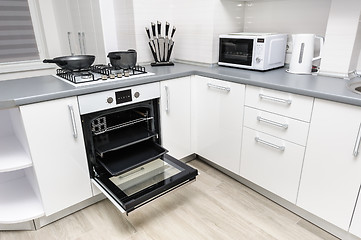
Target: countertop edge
{"x": 238, "y": 76}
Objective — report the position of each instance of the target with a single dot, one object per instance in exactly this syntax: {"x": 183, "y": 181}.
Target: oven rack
{"x": 115, "y": 140}
{"x": 122, "y": 125}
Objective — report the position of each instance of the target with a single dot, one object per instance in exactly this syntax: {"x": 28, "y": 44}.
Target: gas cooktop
{"x": 99, "y": 74}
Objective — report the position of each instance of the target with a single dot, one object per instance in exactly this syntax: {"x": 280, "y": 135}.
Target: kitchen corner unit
{"x": 20, "y": 199}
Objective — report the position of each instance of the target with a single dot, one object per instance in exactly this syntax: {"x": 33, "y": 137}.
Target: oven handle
{"x": 75, "y": 131}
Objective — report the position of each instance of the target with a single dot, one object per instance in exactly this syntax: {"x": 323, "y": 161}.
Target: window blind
{"x": 17, "y": 37}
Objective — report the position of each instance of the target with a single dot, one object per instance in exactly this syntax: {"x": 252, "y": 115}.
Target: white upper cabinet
{"x": 217, "y": 116}
{"x": 56, "y": 143}
{"x": 175, "y": 116}
{"x": 331, "y": 174}
{"x": 78, "y": 31}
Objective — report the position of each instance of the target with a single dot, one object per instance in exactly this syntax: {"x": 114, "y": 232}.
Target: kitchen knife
{"x": 151, "y": 45}
{"x": 155, "y": 41}
{"x": 166, "y": 41}
{"x": 160, "y": 41}
{"x": 171, "y": 43}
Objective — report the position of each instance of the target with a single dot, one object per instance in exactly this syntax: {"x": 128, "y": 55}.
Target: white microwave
{"x": 256, "y": 51}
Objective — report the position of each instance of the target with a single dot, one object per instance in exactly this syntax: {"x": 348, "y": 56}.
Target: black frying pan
{"x": 75, "y": 62}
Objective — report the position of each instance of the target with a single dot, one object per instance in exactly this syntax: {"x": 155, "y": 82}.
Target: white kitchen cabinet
{"x": 271, "y": 163}
{"x": 355, "y": 227}
{"x": 78, "y": 30}
{"x": 331, "y": 174}
{"x": 19, "y": 193}
{"x": 175, "y": 116}
{"x": 217, "y": 116}
{"x": 56, "y": 144}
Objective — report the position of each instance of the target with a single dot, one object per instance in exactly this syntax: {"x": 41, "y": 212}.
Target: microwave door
{"x": 136, "y": 187}
{"x": 236, "y": 51}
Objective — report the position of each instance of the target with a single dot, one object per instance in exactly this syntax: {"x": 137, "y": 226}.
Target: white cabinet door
{"x": 272, "y": 163}
{"x": 331, "y": 174}
{"x": 217, "y": 115}
{"x": 355, "y": 227}
{"x": 175, "y": 116}
{"x": 59, "y": 158}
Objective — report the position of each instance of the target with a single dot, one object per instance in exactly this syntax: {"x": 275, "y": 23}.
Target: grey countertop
{"x": 36, "y": 89}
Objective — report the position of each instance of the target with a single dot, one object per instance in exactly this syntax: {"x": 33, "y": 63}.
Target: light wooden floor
{"x": 213, "y": 207}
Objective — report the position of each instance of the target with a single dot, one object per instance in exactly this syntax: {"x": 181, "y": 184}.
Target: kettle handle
{"x": 321, "y": 46}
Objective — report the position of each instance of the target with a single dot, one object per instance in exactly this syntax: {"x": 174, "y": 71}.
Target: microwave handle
{"x": 321, "y": 46}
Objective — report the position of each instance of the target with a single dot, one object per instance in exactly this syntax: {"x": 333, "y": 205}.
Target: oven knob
{"x": 136, "y": 94}
{"x": 258, "y": 60}
{"x": 110, "y": 100}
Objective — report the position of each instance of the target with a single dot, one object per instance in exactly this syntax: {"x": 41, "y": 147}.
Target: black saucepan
{"x": 75, "y": 62}
{"x": 123, "y": 59}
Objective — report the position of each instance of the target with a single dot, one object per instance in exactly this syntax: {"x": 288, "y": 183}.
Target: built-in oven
{"x": 123, "y": 144}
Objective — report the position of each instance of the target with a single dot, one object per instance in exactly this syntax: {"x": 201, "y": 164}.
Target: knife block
{"x": 162, "y": 62}
{"x": 160, "y": 45}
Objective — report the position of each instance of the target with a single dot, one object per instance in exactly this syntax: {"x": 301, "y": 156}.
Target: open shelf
{"x": 125, "y": 159}
{"x": 12, "y": 155}
{"x": 18, "y": 202}
{"x": 120, "y": 138}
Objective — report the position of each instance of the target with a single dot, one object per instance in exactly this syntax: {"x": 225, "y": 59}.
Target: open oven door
{"x": 133, "y": 188}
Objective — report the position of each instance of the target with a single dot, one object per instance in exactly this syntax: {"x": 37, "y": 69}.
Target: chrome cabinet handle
{"x": 80, "y": 44}
{"x": 258, "y": 140}
{"x": 357, "y": 143}
{"x": 227, "y": 89}
{"x": 167, "y": 98}
{"x": 69, "y": 41}
{"x": 277, "y": 124}
{"x": 275, "y": 99}
{"x": 83, "y": 38}
{"x": 75, "y": 131}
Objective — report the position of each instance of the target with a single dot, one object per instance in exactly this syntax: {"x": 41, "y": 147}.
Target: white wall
{"x": 287, "y": 16}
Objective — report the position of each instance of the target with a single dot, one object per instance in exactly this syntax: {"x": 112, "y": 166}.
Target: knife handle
{"x": 173, "y": 31}
{"x": 148, "y": 33}
{"x": 153, "y": 29}
{"x": 167, "y": 29}
{"x": 159, "y": 25}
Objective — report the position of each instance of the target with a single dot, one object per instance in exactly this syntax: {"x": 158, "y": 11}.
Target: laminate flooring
{"x": 213, "y": 207}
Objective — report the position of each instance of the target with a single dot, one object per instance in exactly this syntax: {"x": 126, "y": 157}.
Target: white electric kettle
{"x": 302, "y": 53}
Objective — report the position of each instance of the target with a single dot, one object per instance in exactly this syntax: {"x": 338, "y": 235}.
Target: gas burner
{"x": 100, "y": 73}
{"x": 76, "y": 76}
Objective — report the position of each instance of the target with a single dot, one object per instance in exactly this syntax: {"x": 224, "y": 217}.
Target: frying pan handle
{"x": 54, "y": 61}
{"x": 49, "y": 61}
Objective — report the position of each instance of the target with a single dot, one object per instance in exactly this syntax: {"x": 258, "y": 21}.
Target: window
{"x": 17, "y": 36}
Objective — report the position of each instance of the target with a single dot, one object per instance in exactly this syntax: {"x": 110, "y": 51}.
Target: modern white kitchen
{"x": 206, "y": 119}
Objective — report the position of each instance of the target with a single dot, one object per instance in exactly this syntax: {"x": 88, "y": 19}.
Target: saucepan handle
{"x": 321, "y": 46}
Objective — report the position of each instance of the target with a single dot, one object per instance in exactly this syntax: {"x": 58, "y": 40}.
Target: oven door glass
{"x": 236, "y": 51}
{"x": 133, "y": 188}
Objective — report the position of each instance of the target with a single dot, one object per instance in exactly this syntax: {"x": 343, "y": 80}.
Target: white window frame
{"x": 29, "y": 65}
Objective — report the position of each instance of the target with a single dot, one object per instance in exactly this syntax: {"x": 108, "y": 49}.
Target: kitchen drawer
{"x": 271, "y": 163}
{"x": 283, "y": 103}
{"x": 283, "y": 127}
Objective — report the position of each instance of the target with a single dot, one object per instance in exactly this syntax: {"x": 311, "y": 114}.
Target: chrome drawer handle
{"x": 258, "y": 140}
{"x": 167, "y": 98}
{"x": 227, "y": 89}
{"x": 275, "y": 99}
{"x": 80, "y": 44}
{"x": 357, "y": 143}
{"x": 75, "y": 131}
{"x": 277, "y": 124}
{"x": 69, "y": 41}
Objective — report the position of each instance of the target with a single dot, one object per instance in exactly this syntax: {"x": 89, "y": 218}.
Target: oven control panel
{"x": 118, "y": 97}
{"x": 123, "y": 96}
